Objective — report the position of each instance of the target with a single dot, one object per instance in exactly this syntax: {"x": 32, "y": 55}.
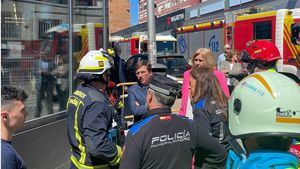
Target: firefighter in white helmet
{"x": 90, "y": 116}
{"x": 264, "y": 111}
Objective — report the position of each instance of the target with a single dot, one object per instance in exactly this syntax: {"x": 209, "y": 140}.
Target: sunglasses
{"x": 198, "y": 60}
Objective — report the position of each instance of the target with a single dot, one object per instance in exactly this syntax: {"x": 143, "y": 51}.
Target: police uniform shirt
{"x": 210, "y": 117}
{"x": 165, "y": 140}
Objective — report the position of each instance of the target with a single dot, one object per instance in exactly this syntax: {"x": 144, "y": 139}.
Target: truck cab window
{"x": 166, "y": 46}
{"x": 136, "y": 44}
{"x": 144, "y": 47}
{"x": 296, "y": 34}
{"x": 262, "y": 30}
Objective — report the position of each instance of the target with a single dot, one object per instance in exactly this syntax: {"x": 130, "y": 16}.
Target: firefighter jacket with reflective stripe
{"x": 89, "y": 119}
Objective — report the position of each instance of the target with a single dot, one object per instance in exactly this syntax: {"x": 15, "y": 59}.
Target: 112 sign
{"x": 213, "y": 44}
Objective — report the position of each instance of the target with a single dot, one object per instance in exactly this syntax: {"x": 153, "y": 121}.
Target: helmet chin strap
{"x": 105, "y": 82}
{"x": 258, "y": 64}
{"x": 101, "y": 84}
{"x": 251, "y": 67}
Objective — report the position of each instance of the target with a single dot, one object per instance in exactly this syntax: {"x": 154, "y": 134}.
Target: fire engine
{"x": 280, "y": 27}
{"x": 86, "y": 37}
{"x": 138, "y": 44}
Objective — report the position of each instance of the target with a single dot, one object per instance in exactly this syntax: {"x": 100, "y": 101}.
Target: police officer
{"x": 90, "y": 116}
{"x": 165, "y": 140}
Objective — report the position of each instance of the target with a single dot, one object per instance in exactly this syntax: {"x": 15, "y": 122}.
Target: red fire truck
{"x": 280, "y": 27}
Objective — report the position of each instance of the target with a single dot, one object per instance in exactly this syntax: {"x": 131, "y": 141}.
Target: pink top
{"x": 185, "y": 88}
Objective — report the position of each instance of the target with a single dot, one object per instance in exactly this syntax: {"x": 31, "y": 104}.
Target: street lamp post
{"x": 151, "y": 31}
{"x": 70, "y": 19}
{"x": 105, "y": 23}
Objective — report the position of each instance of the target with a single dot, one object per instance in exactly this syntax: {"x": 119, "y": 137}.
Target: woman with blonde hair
{"x": 209, "y": 106}
{"x": 203, "y": 57}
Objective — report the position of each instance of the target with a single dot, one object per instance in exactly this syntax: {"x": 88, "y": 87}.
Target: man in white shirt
{"x": 222, "y": 57}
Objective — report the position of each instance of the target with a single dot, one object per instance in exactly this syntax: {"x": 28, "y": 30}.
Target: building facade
{"x": 118, "y": 8}
{"x": 166, "y": 24}
{"x": 163, "y": 7}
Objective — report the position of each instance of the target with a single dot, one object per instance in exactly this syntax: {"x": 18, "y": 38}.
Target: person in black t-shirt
{"x": 165, "y": 140}
{"x": 13, "y": 115}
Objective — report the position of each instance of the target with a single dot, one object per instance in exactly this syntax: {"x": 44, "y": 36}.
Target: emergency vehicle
{"x": 138, "y": 44}
{"x": 279, "y": 27}
{"x": 86, "y": 37}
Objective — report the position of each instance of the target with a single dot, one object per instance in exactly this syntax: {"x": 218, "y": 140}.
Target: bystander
{"x": 13, "y": 114}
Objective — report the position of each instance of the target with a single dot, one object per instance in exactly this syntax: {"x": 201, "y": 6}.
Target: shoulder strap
{"x": 235, "y": 146}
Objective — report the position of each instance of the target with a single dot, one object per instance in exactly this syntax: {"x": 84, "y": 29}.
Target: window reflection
{"x": 34, "y": 48}
{"x": 30, "y": 57}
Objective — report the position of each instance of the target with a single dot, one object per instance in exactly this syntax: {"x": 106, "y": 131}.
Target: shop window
{"x": 38, "y": 60}
{"x": 296, "y": 34}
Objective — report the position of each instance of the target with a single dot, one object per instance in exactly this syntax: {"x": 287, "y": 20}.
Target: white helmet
{"x": 265, "y": 103}
{"x": 94, "y": 62}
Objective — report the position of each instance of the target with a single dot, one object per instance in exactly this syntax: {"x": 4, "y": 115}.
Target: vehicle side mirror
{"x": 296, "y": 34}
{"x": 173, "y": 33}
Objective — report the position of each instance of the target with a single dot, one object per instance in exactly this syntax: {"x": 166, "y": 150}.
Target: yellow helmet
{"x": 265, "y": 103}
{"x": 94, "y": 62}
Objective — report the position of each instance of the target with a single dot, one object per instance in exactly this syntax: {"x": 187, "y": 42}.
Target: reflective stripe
{"x": 158, "y": 89}
{"x": 90, "y": 68}
{"x": 77, "y": 135}
{"x": 271, "y": 70}
{"x": 82, "y": 166}
{"x": 117, "y": 159}
{"x": 120, "y": 105}
{"x": 101, "y": 58}
{"x": 263, "y": 82}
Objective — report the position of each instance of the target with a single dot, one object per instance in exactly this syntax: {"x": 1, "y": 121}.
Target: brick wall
{"x": 119, "y": 15}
